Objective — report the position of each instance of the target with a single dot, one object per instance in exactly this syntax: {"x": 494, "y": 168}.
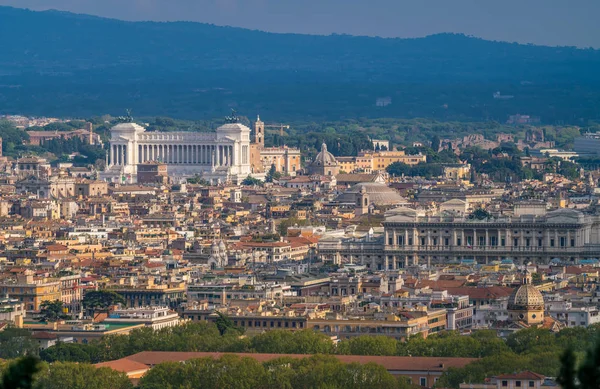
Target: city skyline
{"x": 553, "y": 23}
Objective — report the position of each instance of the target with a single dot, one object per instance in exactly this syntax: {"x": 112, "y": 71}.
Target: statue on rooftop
{"x": 233, "y": 118}
{"x": 127, "y": 118}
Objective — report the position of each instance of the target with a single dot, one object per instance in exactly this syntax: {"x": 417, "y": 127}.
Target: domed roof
{"x": 526, "y": 297}
{"x": 379, "y": 194}
{"x": 222, "y": 245}
{"x": 324, "y": 158}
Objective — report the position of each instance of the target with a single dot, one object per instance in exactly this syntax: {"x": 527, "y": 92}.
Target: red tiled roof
{"x": 492, "y": 292}
{"x": 44, "y": 335}
{"x": 432, "y": 364}
{"x": 124, "y": 365}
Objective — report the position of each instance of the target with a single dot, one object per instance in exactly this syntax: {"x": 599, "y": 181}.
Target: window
{"x": 531, "y": 384}
{"x": 516, "y": 242}
{"x": 503, "y": 242}
{"x": 518, "y": 384}
{"x": 458, "y": 241}
{"x": 504, "y": 383}
{"x": 563, "y": 241}
{"x": 423, "y": 381}
{"x": 540, "y": 242}
{"x": 551, "y": 242}
{"x": 572, "y": 242}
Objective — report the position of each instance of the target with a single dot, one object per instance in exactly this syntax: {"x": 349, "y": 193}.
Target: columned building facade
{"x": 222, "y": 156}
{"x": 411, "y": 239}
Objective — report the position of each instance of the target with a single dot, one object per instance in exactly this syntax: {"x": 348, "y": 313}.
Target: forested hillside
{"x": 57, "y": 63}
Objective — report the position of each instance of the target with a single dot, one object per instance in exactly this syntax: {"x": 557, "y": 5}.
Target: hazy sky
{"x": 548, "y": 22}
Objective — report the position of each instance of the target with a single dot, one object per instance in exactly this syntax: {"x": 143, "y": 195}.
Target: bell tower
{"x": 362, "y": 203}
{"x": 259, "y": 132}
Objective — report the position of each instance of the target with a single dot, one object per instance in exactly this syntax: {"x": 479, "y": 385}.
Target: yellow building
{"x": 347, "y": 164}
{"x": 457, "y": 172}
{"x": 383, "y": 159}
{"x": 287, "y": 160}
{"x": 31, "y": 291}
{"x": 400, "y": 326}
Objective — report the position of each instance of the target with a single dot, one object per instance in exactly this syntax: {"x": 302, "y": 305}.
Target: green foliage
{"x": 286, "y": 373}
{"x": 251, "y": 181}
{"x": 584, "y": 376}
{"x": 272, "y": 174}
{"x": 198, "y": 181}
{"x": 72, "y": 352}
{"x": 52, "y": 311}
{"x": 16, "y": 342}
{"x": 369, "y": 345}
{"x": 81, "y": 376}
{"x": 101, "y": 300}
{"x": 292, "y": 342}
{"x": 11, "y": 137}
{"x": 534, "y": 349}
{"x": 225, "y": 324}
{"x": 21, "y": 373}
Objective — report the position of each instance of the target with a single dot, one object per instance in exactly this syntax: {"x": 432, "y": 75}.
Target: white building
{"x": 221, "y": 156}
{"x": 154, "y": 317}
{"x": 571, "y": 316}
{"x": 411, "y": 238}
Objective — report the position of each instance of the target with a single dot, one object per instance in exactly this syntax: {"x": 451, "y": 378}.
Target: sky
{"x": 544, "y": 22}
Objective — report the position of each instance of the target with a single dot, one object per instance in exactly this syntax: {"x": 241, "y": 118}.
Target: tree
{"x": 435, "y": 143}
{"x": 225, "y": 324}
{"x": 101, "y": 300}
{"x": 272, "y": 174}
{"x": 584, "y": 376}
{"x": 71, "y": 352}
{"x": 368, "y": 345}
{"x": 398, "y": 169}
{"x": 251, "y": 181}
{"x": 61, "y": 375}
{"x": 11, "y": 137}
{"x": 16, "y": 342}
{"x": 20, "y": 374}
{"x": 52, "y": 311}
{"x": 292, "y": 342}
{"x": 229, "y": 371}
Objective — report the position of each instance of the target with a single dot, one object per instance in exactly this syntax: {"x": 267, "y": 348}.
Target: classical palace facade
{"x": 221, "y": 156}
{"x": 410, "y": 238}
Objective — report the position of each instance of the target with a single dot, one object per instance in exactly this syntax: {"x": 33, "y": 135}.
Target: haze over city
{"x": 544, "y": 22}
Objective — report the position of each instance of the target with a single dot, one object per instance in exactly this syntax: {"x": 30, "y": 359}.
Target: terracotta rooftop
{"x": 394, "y": 364}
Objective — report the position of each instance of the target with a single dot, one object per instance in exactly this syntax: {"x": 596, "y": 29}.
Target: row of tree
{"x": 532, "y": 349}
{"x": 223, "y": 336}
{"x": 31, "y": 373}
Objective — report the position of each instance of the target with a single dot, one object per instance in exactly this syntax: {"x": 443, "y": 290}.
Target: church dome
{"x": 324, "y": 158}
{"x": 526, "y": 297}
{"x": 379, "y": 194}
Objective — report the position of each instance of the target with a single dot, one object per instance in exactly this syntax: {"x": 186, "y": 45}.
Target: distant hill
{"x": 66, "y": 64}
